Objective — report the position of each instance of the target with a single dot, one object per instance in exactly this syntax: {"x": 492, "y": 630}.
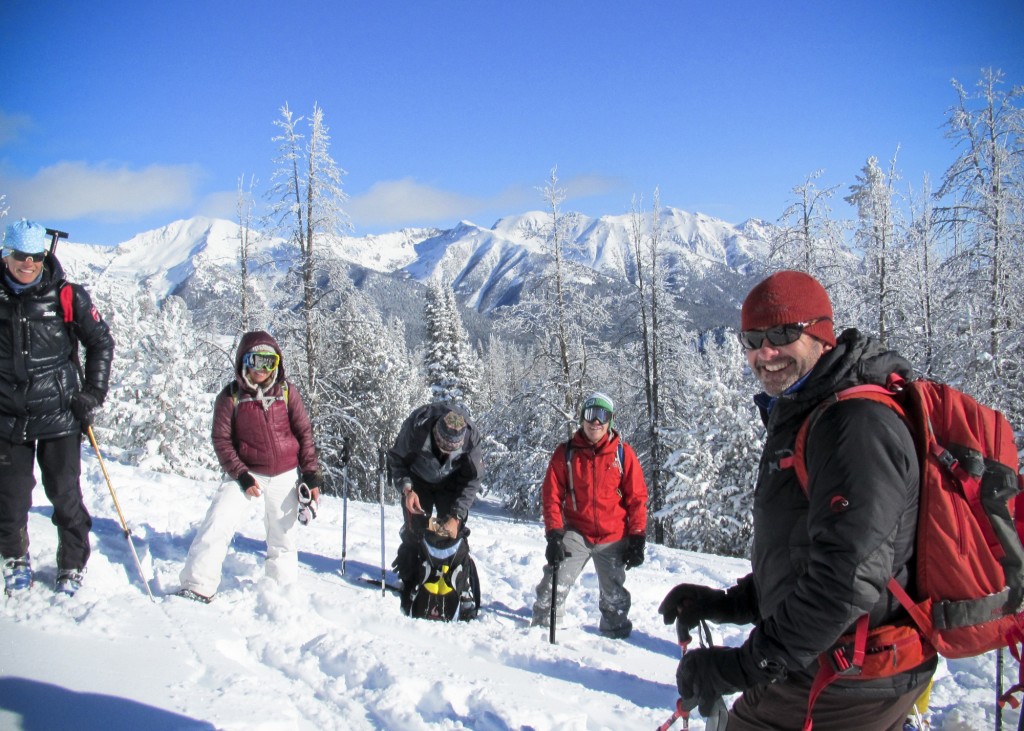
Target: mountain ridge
{"x": 486, "y": 267}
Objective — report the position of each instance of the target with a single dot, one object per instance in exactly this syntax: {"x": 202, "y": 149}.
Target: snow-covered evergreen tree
{"x": 367, "y": 383}
{"x": 809, "y": 239}
{"x": 160, "y": 406}
{"x": 306, "y": 198}
{"x": 716, "y": 446}
{"x": 986, "y": 217}
{"x": 451, "y": 365}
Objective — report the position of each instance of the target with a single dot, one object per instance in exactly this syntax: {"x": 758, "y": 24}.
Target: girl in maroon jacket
{"x": 595, "y": 506}
{"x": 264, "y": 440}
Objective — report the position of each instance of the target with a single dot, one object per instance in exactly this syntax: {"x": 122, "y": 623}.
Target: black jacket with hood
{"x": 819, "y": 563}
{"x": 38, "y": 376}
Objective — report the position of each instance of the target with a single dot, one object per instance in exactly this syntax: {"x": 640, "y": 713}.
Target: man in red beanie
{"x": 820, "y": 562}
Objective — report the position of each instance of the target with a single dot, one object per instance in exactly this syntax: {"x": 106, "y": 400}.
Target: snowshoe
{"x": 69, "y": 581}
{"x": 17, "y": 574}
{"x": 189, "y": 594}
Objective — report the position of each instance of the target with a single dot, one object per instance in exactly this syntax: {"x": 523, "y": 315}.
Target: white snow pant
{"x": 202, "y": 569}
{"x": 614, "y": 600}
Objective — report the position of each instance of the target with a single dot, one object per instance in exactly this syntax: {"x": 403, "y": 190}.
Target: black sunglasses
{"x": 22, "y": 256}
{"x": 778, "y": 336}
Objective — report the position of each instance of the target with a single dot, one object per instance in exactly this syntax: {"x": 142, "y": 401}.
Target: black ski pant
{"x": 784, "y": 706}
{"x": 60, "y": 465}
{"x": 407, "y": 561}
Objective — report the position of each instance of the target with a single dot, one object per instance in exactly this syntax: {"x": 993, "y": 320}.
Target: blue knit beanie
{"x": 27, "y": 237}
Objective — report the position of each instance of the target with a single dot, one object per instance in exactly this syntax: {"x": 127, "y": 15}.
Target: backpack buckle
{"x": 841, "y": 660}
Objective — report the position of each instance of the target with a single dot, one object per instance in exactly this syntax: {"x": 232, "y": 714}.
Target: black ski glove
{"x": 705, "y": 675}
{"x": 83, "y": 404}
{"x": 555, "y": 552}
{"x": 690, "y": 603}
{"x": 634, "y": 553}
{"x": 245, "y": 481}
{"x": 312, "y": 480}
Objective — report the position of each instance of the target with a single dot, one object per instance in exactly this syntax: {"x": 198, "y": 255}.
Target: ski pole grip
{"x": 683, "y": 634}
{"x": 54, "y": 235}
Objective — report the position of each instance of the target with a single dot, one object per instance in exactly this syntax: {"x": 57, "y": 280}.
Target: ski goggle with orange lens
{"x": 597, "y": 413}
{"x": 261, "y": 361}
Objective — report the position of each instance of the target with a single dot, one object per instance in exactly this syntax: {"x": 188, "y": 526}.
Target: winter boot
{"x": 189, "y": 594}
{"x": 69, "y": 581}
{"x": 618, "y": 633}
{"x": 17, "y": 574}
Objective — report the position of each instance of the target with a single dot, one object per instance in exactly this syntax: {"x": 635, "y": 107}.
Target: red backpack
{"x": 967, "y": 584}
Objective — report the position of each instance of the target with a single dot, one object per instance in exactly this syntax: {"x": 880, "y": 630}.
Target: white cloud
{"x": 222, "y": 204}
{"x": 70, "y": 190}
{"x": 406, "y": 202}
{"x": 11, "y": 126}
{"x": 586, "y": 186}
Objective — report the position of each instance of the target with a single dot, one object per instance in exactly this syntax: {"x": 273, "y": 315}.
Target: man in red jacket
{"x": 595, "y": 506}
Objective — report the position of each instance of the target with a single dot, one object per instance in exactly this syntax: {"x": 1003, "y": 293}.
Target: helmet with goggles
{"x": 598, "y": 407}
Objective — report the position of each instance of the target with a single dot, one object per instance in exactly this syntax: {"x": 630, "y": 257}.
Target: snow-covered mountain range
{"x": 487, "y": 267}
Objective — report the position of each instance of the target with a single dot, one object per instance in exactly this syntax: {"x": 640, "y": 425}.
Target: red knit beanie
{"x": 788, "y": 297}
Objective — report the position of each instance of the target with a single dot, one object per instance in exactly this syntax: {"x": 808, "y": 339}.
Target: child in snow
{"x": 263, "y": 439}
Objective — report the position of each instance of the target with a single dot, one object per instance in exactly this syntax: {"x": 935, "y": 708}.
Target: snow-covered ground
{"x": 332, "y": 652}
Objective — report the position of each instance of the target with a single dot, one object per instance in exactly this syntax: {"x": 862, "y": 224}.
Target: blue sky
{"x": 118, "y": 117}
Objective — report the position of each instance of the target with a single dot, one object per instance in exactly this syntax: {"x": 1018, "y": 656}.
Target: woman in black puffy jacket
{"x": 46, "y": 401}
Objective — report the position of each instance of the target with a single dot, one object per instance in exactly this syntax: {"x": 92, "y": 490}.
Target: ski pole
{"x": 683, "y": 638}
{"x": 120, "y": 515}
{"x": 380, "y": 498}
{"x": 678, "y": 713}
{"x": 554, "y": 595}
{"x": 344, "y": 503}
{"x": 999, "y": 689}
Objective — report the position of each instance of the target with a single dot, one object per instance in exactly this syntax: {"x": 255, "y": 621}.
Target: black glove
{"x": 690, "y": 603}
{"x": 634, "y": 553}
{"x": 312, "y": 480}
{"x": 555, "y": 552}
{"x": 83, "y": 404}
{"x": 245, "y": 481}
{"x": 705, "y": 675}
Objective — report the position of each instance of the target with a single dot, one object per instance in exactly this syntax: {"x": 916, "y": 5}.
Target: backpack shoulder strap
{"x": 871, "y": 392}
{"x": 67, "y": 307}
{"x": 67, "y": 303}
{"x": 568, "y": 469}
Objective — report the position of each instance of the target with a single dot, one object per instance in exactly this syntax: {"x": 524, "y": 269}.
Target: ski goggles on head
{"x": 25, "y": 256}
{"x": 261, "y": 361}
{"x": 778, "y": 336}
{"x": 597, "y": 413}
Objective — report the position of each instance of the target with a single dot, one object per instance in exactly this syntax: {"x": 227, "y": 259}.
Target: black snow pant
{"x": 60, "y": 465}
{"x": 406, "y": 563}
